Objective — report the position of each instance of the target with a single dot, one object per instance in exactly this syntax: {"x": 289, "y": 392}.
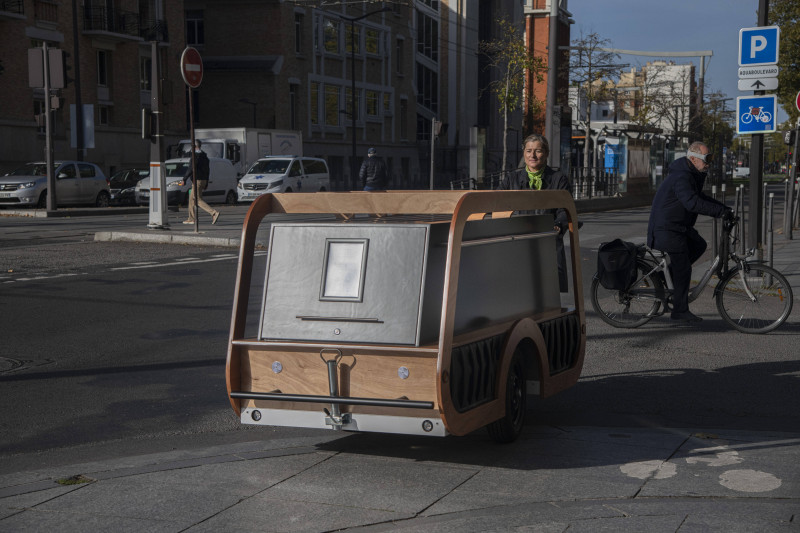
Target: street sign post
{"x": 759, "y": 46}
{"x": 756, "y": 114}
{"x": 192, "y": 72}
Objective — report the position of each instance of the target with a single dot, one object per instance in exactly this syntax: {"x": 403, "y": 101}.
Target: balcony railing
{"x": 153, "y": 30}
{"x": 100, "y": 18}
{"x": 45, "y": 11}
{"x": 13, "y": 7}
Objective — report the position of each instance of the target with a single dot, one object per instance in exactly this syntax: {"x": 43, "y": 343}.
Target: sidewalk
{"x": 552, "y": 479}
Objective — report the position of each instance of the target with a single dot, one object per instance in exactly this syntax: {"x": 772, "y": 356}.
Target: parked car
{"x": 221, "y": 182}
{"x": 123, "y": 185}
{"x": 284, "y": 174}
{"x": 77, "y": 183}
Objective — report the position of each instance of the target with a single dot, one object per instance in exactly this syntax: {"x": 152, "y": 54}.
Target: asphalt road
{"x": 113, "y": 349}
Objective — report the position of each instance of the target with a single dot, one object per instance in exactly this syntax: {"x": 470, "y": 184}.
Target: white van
{"x": 284, "y": 174}
{"x": 221, "y": 182}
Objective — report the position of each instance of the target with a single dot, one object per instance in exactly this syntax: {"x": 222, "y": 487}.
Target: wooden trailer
{"x": 414, "y": 312}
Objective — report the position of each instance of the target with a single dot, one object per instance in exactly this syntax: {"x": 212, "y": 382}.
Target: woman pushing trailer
{"x": 432, "y": 320}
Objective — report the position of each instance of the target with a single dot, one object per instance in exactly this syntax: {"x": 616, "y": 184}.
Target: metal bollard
{"x": 769, "y": 237}
{"x": 714, "y": 222}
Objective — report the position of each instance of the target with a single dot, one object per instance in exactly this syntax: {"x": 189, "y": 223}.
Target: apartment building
{"x": 108, "y": 43}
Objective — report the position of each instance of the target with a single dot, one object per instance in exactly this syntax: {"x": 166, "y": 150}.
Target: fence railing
{"x": 585, "y": 183}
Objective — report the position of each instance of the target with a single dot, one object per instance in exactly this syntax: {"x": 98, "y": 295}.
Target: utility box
{"x": 383, "y": 283}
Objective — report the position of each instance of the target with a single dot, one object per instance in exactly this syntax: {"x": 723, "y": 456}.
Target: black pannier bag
{"x": 616, "y": 264}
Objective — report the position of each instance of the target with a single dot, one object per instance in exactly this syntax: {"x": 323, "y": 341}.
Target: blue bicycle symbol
{"x": 758, "y": 114}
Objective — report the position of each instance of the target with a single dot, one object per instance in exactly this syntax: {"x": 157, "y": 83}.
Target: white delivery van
{"x": 284, "y": 174}
{"x": 221, "y": 182}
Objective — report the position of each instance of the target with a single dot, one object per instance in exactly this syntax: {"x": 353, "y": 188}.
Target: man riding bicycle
{"x": 677, "y": 203}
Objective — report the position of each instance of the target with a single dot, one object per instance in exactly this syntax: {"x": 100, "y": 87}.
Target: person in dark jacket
{"x": 202, "y": 165}
{"x": 677, "y": 203}
{"x": 537, "y": 175}
{"x": 373, "y": 172}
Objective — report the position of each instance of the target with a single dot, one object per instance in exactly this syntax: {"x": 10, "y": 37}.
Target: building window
{"x": 145, "y": 71}
{"x": 314, "y": 104}
{"x": 103, "y": 112}
{"x": 433, "y": 4}
{"x": 293, "y": 95}
{"x": 195, "y": 27}
{"x": 372, "y": 41}
{"x": 298, "y": 33}
{"x": 330, "y": 36}
{"x": 404, "y": 119}
{"x": 39, "y": 114}
{"x": 399, "y": 56}
{"x": 332, "y": 105}
{"x": 427, "y": 36}
{"x": 427, "y": 88}
{"x": 102, "y": 67}
{"x": 353, "y": 40}
{"x": 372, "y": 103}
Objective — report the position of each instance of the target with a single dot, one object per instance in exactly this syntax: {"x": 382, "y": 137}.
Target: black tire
{"x": 773, "y": 304}
{"x": 42, "y": 203}
{"x": 622, "y": 309}
{"x": 230, "y": 198}
{"x": 103, "y": 199}
{"x": 508, "y": 428}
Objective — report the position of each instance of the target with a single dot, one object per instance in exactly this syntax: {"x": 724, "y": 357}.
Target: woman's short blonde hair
{"x": 534, "y": 137}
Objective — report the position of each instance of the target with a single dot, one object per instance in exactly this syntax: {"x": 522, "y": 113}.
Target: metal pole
{"x": 158, "y": 181}
{"x": 77, "y": 81}
{"x": 714, "y": 222}
{"x": 744, "y": 222}
{"x": 769, "y": 236}
{"x": 353, "y": 177}
{"x": 757, "y": 163}
{"x": 788, "y": 223}
{"x": 195, "y": 189}
{"x": 552, "y": 76}
{"x": 764, "y": 216}
{"x": 48, "y": 131}
{"x": 433, "y": 146}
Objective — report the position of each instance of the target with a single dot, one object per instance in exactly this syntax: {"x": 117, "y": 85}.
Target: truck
{"x": 242, "y": 146}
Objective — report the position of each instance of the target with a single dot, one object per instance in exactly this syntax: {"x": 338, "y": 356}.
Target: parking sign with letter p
{"x": 759, "y": 46}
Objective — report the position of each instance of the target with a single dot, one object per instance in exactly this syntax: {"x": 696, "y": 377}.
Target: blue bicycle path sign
{"x": 756, "y": 114}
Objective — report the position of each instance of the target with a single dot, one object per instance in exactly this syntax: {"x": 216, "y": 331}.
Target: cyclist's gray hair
{"x": 695, "y": 146}
{"x": 534, "y": 137}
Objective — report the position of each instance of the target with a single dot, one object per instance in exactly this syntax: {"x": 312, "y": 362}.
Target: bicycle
{"x": 758, "y": 114}
{"x": 751, "y": 297}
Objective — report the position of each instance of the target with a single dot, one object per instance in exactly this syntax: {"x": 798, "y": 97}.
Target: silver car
{"x": 77, "y": 182}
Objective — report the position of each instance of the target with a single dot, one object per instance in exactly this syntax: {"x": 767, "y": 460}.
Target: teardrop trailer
{"x": 433, "y": 320}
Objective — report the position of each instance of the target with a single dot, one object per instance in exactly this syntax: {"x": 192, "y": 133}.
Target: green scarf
{"x": 535, "y": 178}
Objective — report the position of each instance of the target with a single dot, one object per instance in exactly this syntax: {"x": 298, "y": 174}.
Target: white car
{"x": 221, "y": 182}
{"x": 77, "y": 183}
{"x": 284, "y": 174}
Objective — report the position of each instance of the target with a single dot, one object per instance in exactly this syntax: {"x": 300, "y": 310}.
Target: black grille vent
{"x": 562, "y": 337}
{"x": 473, "y": 372}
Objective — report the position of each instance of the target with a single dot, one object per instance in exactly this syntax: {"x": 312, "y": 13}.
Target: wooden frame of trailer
{"x": 363, "y": 388}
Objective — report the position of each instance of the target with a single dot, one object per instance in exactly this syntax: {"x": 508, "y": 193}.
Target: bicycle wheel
{"x": 772, "y": 304}
{"x": 632, "y": 307}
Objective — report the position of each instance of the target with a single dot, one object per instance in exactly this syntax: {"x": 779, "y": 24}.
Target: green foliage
{"x": 786, "y": 14}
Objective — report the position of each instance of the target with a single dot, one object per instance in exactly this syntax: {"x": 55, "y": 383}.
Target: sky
{"x": 674, "y": 26}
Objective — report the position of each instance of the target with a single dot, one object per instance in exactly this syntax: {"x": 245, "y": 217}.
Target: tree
{"x": 786, "y": 14}
{"x": 591, "y": 67}
{"x": 510, "y": 58}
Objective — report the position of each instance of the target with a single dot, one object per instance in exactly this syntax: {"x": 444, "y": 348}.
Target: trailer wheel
{"x": 508, "y": 428}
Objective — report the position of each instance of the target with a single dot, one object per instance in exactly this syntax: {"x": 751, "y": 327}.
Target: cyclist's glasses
{"x": 707, "y": 158}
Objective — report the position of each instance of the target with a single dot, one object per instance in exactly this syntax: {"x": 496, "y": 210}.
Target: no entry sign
{"x": 191, "y": 67}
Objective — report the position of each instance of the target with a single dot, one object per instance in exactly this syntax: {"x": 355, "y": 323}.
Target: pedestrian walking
{"x": 373, "y": 172}
{"x": 537, "y": 175}
{"x": 201, "y": 165}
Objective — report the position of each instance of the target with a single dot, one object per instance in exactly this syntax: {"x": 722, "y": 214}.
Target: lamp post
{"x": 254, "y": 104}
{"x": 352, "y": 21}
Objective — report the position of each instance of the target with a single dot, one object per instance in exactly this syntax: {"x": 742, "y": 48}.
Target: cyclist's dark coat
{"x": 679, "y": 200}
